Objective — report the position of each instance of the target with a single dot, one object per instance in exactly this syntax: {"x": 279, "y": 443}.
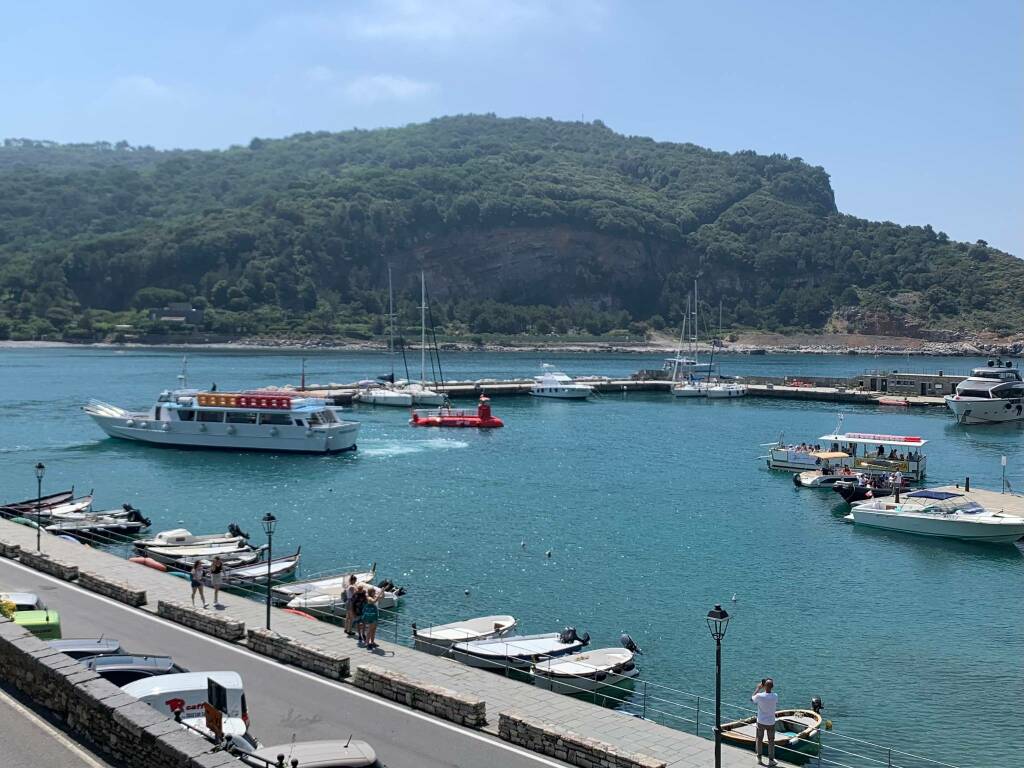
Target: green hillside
{"x": 522, "y": 226}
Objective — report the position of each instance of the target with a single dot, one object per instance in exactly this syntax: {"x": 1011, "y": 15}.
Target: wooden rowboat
{"x": 796, "y": 734}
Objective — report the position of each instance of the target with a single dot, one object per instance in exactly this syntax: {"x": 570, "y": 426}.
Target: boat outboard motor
{"x": 234, "y": 530}
{"x": 568, "y": 636}
{"x": 816, "y": 704}
{"x": 629, "y": 644}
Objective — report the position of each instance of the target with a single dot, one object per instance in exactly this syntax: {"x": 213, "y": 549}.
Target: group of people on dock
{"x": 362, "y": 610}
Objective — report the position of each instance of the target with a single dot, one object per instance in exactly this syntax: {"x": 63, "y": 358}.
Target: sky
{"x": 915, "y": 107}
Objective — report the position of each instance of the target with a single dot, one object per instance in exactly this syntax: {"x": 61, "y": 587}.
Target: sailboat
{"x": 385, "y": 393}
{"x": 420, "y": 392}
{"x": 684, "y": 371}
{"x": 722, "y": 388}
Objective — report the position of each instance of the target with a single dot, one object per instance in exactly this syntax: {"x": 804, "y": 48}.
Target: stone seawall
{"x": 118, "y": 590}
{"x": 9, "y": 549}
{"x": 43, "y": 562}
{"x": 433, "y": 699}
{"x": 209, "y": 622}
{"x": 290, "y": 651}
{"x": 563, "y": 744}
{"x": 131, "y": 732}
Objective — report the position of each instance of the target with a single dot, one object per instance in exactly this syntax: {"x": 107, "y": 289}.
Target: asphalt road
{"x": 282, "y": 701}
{"x": 30, "y": 739}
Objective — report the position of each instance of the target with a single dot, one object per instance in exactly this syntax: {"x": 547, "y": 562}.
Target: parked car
{"x": 83, "y": 647}
{"x": 187, "y": 692}
{"x": 122, "y": 668}
{"x": 331, "y": 753}
{"x": 23, "y": 601}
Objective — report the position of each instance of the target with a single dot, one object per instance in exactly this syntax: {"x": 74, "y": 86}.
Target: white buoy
{"x": 734, "y": 597}
{"x": 548, "y": 553}
{"x": 523, "y": 544}
{"x": 466, "y": 592}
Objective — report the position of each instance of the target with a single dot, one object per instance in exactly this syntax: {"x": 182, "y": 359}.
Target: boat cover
{"x": 938, "y": 495}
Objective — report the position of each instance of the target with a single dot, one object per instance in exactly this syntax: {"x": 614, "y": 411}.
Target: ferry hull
{"x": 231, "y": 437}
{"x": 981, "y": 411}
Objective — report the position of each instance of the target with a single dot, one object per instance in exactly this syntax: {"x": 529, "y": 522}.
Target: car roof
{"x": 129, "y": 661}
{"x": 20, "y": 598}
{"x": 332, "y": 753}
{"x": 182, "y": 681}
{"x": 96, "y": 644}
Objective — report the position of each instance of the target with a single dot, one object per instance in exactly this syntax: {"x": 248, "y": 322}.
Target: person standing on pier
{"x": 766, "y": 700}
{"x": 216, "y": 579}
{"x": 370, "y": 615}
{"x": 350, "y": 616}
{"x": 358, "y": 603}
{"x": 196, "y": 579}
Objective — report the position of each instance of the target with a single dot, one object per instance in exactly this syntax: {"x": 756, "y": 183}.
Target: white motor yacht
{"x": 989, "y": 395}
{"x": 558, "y": 385}
{"x": 941, "y": 513}
{"x": 242, "y": 421}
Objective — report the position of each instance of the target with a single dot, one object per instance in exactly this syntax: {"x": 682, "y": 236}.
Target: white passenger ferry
{"x": 989, "y": 395}
{"x": 244, "y": 421}
{"x": 861, "y": 452}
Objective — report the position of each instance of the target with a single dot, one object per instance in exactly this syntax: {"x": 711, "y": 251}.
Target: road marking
{"x": 316, "y": 678}
{"x": 40, "y": 723}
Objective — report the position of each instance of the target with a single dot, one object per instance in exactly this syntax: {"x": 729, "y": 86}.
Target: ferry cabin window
{"x": 210, "y": 416}
{"x": 185, "y": 414}
{"x": 278, "y": 419}
{"x": 241, "y": 417}
{"x": 299, "y": 423}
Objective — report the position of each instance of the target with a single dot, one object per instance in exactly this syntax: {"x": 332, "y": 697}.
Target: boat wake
{"x": 388, "y": 449}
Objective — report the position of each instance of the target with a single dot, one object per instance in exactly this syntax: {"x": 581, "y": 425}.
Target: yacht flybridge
{"x": 244, "y": 421}
{"x": 989, "y": 395}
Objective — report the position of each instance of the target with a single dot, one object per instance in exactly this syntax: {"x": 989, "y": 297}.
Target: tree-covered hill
{"x": 521, "y": 226}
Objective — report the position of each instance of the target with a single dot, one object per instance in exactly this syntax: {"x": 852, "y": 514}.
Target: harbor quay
{"x": 446, "y": 713}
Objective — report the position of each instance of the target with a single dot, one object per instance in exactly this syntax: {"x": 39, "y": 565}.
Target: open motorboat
{"x": 126, "y": 520}
{"x": 332, "y": 599}
{"x": 182, "y": 537}
{"x": 588, "y": 671}
{"x": 176, "y": 555}
{"x": 43, "y": 502}
{"x": 797, "y": 734}
{"x": 518, "y": 651}
{"x": 824, "y": 478}
{"x": 451, "y": 417}
{"x": 861, "y": 487}
{"x": 236, "y": 575}
{"x": 989, "y": 395}
{"x": 941, "y": 513}
{"x": 282, "y": 594}
{"x": 440, "y": 638}
{"x": 552, "y": 383}
{"x": 66, "y": 507}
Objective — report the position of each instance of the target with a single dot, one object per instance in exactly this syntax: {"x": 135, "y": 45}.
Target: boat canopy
{"x": 861, "y": 438}
{"x": 929, "y": 494}
{"x": 957, "y": 504}
{"x": 830, "y": 455}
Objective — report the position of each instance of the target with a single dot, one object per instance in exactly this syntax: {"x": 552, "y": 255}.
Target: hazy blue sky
{"x": 916, "y": 109}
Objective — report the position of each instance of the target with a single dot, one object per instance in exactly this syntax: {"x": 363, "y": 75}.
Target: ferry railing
{"x": 645, "y": 699}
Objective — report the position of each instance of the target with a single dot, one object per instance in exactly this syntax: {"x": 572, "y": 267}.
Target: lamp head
{"x": 40, "y": 470}
{"x": 718, "y": 621}
{"x": 269, "y": 522}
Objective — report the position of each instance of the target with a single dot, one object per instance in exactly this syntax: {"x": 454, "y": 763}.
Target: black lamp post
{"x": 718, "y": 621}
{"x": 40, "y": 471}
{"x": 269, "y": 522}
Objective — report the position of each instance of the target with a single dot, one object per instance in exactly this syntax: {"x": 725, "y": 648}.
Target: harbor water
{"x": 652, "y": 509}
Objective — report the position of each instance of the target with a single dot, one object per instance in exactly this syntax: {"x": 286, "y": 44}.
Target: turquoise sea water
{"x": 653, "y": 510}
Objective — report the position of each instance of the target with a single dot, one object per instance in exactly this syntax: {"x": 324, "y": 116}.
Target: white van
{"x": 187, "y": 692}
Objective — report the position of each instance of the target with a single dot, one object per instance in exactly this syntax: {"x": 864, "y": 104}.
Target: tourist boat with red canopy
{"x": 247, "y": 421}
{"x": 446, "y": 416}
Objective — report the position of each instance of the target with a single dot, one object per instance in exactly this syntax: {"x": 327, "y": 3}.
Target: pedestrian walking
{"x": 216, "y": 579}
{"x": 766, "y": 700}
{"x": 196, "y": 579}
{"x": 370, "y": 615}
{"x": 358, "y": 604}
{"x": 350, "y": 616}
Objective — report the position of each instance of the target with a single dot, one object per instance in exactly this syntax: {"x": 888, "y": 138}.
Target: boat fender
{"x": 130, "y": 423}
{"x": 231, "y": 429}
{"x": 166, "y": 427}
{"x": 143, "y": 424}
{"x": 309, "y": 433}
{"x": 629, "y": 666}
{"x": 600, "y": 675}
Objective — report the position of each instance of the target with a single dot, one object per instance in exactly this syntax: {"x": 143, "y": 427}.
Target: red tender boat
{"x": 448, "y": 417}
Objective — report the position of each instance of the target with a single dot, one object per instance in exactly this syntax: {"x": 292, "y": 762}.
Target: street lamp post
{"x": 718, "y": 621}
{"x": 269, "y": 522}
{"x": 40, "y": 471}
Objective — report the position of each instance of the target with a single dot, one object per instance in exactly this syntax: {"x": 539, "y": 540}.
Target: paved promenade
{"x": 676, "y": 748}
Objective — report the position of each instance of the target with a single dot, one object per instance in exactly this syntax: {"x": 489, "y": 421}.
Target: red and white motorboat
{"x": 449, "y": 417}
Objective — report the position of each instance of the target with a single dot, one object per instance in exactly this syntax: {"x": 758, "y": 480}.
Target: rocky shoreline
{"x": 325, "y": 344}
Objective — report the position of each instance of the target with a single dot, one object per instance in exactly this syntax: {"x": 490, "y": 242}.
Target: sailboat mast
{"x": 693, "y": 327}
{"x": 391, "y": 325}
{"x": 423, "y": 328}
